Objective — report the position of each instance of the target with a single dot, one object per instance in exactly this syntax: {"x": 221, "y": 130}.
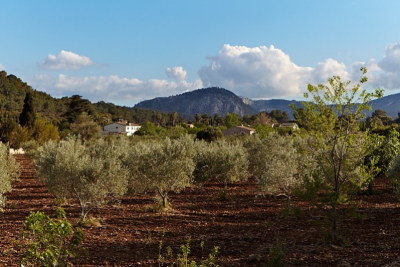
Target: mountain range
{"x": 220, "y": 101}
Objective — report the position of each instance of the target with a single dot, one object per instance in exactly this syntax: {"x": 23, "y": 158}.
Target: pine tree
{"x": 76, "y": 107}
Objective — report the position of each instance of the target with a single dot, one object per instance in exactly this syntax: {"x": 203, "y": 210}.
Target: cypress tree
{"x": 28, "y": 114}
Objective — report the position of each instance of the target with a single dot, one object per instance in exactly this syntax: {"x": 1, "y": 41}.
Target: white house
{"x": 121, "y": 127}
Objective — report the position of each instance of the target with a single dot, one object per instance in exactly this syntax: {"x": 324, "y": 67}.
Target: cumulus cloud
{"x": 176, "y": 73}
{"x": 262, "y": 72}
{"x": 391, "y": 61}
{"x": 110, "y": 88}
{"x": 329, "y": 68}
{"x": 65, "y": 60}
{"x": 389, "y": 77}
{"x": 254, "y": 72}
{"x": 371, "y": 66}
{"x": 2, "y": 67}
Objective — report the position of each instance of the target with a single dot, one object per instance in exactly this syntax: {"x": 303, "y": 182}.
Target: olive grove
{"x": 9, "y": 171}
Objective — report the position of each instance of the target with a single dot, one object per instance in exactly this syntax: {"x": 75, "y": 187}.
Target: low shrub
{"x": 48, "y": 242}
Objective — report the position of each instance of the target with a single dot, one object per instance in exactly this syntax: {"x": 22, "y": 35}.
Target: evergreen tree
{"x": 76, "y": 107}
{"x": 28, "y": 114}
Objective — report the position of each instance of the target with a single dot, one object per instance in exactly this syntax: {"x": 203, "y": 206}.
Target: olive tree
{"x": 161, "y": 167}
{"x": 394, "y": 173}
{"x": 223, "y": 161}
{"x": 280, "y": 167}
{"x": 89, "y": 174}
{"x": 9, "y": 170}
{"x": 384, "y": 147}
{"x": 332, "y": 118}
{"x": 256, "y": 150}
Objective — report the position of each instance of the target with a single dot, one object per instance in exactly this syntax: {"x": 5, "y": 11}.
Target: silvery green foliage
{"x": 221, "y": 160}
{"x": 89, "y": 174}
{"x": 9, "y": 171}
{"x": 109, "y": 169}
{"x": 394, "y": 173}
{"x": 308, "y": 163}
{"x": 162, "y": 166}
{"x": 31, "y": 149}
{"x": 258, "y": 149}
{"x": 204, "y": 160}
{"x": 255, "y": 148}
{"x": 282, "y": 172}
{"x": 60, "y": 165}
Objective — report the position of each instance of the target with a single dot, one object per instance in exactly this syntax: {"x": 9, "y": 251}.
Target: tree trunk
{"x": 334, "y": 233}
{"x": 370, "y": 188}
{"x": 83, "y": 214}
{"x": 164, "y": 201}
{"x": 288, "y": 205}
{"x": 164, "y": 198}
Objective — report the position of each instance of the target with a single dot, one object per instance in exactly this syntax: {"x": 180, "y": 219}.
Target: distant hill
{"x": 221, "y": 101}
{"x": 211, "y": 101}
{"x": 273, "y": 104}
{"x": 390, "y": 104}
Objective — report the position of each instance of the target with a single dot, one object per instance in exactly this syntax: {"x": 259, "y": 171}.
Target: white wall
{"x": 119, "y": 128}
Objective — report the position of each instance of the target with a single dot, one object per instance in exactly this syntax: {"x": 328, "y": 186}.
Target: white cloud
{"x": 65, "y": 60}
{"x": 110, "y": 88}
{"x": 329, "y": 68}
{"x": 386, "y": 80}
{"x": 391, "y": 61}
{"x": 2, "y": 67}
{"x": 389, "y": 77}
{"x": 254, "y": 72}
{"x": 177, "y": 73}
{"x": 262, "y": 72}
{"x": 356, "y": 73}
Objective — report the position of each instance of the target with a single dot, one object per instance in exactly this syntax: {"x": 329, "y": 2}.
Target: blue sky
{"x": 128, "y": 51}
